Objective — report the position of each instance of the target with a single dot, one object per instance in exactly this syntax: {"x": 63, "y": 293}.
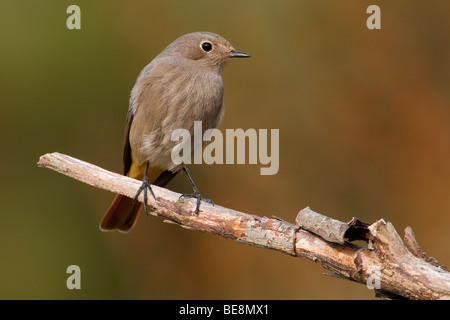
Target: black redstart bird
{"x": 181, "y": 85}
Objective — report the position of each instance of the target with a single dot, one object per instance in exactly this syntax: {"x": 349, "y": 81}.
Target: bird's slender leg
{"x": 196, "y": 193}
{"x": 144, "y": 186}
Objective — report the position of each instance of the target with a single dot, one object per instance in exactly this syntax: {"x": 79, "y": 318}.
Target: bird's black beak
{"x": 236, "y": 54}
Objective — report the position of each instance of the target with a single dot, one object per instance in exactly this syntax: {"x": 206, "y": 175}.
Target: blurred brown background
{"x": 364, "y": 120}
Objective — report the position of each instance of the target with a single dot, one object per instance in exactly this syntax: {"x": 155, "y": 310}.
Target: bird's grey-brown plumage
{"x": 181, "y": 85}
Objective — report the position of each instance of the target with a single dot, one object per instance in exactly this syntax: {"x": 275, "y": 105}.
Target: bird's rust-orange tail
{"x": 123, "y": 211}
{"x": 121, "y": 215}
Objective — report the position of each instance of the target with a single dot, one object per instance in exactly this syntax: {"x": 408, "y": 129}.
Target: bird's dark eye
{"x": 206, "y": 46}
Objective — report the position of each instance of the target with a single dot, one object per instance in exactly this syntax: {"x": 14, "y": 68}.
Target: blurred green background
{"x": 364, "y": 120}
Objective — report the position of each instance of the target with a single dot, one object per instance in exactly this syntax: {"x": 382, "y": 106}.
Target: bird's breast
{"x": 173, "y": 100}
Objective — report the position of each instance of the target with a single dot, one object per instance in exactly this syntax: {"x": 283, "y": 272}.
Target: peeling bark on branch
{"x": 395, "y": 268}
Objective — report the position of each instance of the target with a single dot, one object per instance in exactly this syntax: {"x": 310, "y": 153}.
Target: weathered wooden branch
{"x": 394, "y": 268}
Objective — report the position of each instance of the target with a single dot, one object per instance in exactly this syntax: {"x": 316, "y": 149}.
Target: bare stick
{"x": 393, "y": 269}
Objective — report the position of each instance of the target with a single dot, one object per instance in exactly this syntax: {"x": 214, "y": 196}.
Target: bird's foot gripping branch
{"x": 392, "y": 267}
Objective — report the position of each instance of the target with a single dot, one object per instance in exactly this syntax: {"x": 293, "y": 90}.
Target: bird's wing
{"x": 126, "y": 144}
